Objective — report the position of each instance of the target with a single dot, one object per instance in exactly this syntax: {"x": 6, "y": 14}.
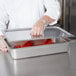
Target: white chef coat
{"x": 24, "y": 13}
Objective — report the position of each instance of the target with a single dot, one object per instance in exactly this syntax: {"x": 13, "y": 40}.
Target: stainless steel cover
{"x": 60, "y": 39}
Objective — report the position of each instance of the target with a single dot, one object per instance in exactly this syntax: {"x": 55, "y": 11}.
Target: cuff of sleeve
{"x": 54, "y": 22}
{"x": 51, "y": 24}
{"x": 53, "y": 15}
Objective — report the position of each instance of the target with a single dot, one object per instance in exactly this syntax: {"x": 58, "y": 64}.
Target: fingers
{"x": 3, "y": 48}
{"x": 37, "y": 30}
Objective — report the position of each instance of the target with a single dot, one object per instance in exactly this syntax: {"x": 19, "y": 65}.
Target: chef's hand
{"x": 2, "y": 45}
{"x": 38, "y": 28}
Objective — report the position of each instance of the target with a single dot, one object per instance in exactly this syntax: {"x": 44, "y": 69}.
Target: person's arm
{"x": 38, "y": 27}
{"x": 2, "y": 45}
{"x": 51, "y": 16}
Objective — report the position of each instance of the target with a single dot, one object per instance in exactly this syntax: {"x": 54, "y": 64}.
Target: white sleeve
{"x": 52, "y": 10}
{"x": 3, "y": 17}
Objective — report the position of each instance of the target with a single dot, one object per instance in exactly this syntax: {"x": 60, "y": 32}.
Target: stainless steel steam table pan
{"x": 60, "y": 38}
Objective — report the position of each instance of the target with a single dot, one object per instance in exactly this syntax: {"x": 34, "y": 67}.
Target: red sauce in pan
{"x": 30, "y": 43}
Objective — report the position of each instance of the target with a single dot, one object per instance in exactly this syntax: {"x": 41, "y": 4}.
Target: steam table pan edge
{"x": 54, "y": 33}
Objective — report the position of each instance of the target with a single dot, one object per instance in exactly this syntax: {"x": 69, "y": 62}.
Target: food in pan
{"x": 25, "y": 44}
{"x": 33, "y": 43}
